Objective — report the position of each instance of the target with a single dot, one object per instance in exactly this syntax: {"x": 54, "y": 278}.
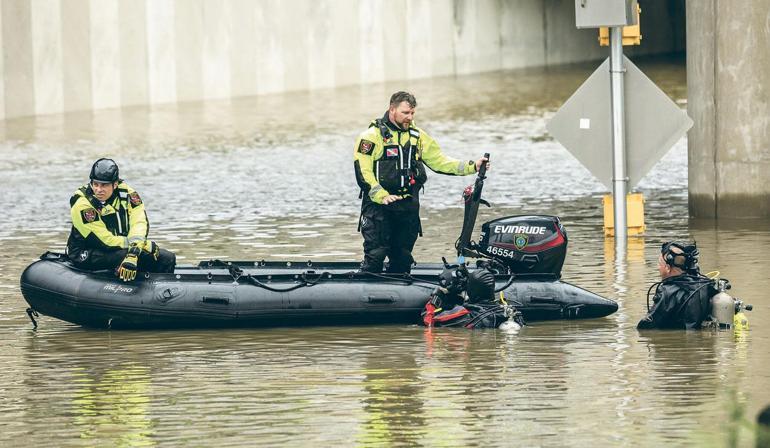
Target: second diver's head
{"x": 104, "y": 176}
{"x": 401, "y": 109}
{"x": 677, "y": 258}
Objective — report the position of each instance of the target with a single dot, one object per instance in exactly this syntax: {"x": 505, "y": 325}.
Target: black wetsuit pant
{"x": 389, "y": 231}
{"x": 99, "y": 259}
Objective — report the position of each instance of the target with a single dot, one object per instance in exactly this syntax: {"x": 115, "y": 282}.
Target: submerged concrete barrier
{"x": 728, "y": 74}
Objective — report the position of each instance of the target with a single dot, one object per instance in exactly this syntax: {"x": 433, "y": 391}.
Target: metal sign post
{"x": 619, "y": 177}
{"x": 591, "y": 124}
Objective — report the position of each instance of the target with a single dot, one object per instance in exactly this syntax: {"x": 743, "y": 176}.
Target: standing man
{"x": 109, "y": 227}
{"x": 683, "y": 297}
{"x": 390, "y": 159}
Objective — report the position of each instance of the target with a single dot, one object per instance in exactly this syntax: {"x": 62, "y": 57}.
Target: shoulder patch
{"x": 134, "y": 199}
{"x": 89, "y": 215}
{"x": 365, "y": 147}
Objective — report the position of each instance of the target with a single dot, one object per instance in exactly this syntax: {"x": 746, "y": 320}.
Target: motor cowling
{"x": 527, "y": 244}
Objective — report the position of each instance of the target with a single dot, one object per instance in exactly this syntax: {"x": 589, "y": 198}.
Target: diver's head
{"x": 481, "y": 286}
{"x": 677, "y": 258}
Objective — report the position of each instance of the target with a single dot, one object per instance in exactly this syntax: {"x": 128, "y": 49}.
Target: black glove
{"x": 127, "y": 269}
{"x": 151, "y": 248}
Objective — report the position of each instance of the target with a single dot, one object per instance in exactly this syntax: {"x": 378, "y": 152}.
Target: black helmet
{"x": 105, "y": 171}
{"x": 481, "y": 286}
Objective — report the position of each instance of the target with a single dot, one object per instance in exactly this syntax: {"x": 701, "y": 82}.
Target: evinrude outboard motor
{"x": 527, "y": 244}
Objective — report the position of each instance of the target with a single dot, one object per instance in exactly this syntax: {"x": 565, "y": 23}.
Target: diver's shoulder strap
{"x": 384, "y": 131}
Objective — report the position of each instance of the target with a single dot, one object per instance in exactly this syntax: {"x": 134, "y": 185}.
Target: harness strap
{"x": 360, "y": 216}
{"x": 121, "y": 211}
{"x": 90, "y": 197}
{"x": 384, "y": 131}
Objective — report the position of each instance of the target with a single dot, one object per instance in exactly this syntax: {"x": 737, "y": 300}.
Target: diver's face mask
{"x": 686, "y": 258}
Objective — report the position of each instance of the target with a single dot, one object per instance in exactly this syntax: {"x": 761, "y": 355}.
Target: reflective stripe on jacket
{"x": 118, "y": 223}
{"x": 395, "y": 165}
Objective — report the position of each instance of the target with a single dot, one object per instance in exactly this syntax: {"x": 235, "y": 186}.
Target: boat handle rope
{"x": 237, "y": 273}
{"x": 406, "y": 278}
{"x": 305, "y": 282}
{"x": 32, "y": 315}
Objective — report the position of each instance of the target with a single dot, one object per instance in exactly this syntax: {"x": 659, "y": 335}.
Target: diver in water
{"x": 110, "y": 227}
{"x": 682, "y": 297}
{"x": 467, "y": 299}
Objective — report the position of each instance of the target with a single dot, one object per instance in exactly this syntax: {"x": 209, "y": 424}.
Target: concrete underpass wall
{"x": 67, "y": 55}
{"x": 728, "y": 84}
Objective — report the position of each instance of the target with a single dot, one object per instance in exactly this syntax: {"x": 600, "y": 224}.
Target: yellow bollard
{"x": 631, "y": 34}
{"x": 634, "y": 214}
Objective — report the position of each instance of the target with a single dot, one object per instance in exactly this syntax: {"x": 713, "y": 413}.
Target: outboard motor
{"x": 527, "y": 244}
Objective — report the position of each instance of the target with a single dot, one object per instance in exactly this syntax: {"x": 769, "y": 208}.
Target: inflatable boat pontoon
{"x": 524, "y": 253}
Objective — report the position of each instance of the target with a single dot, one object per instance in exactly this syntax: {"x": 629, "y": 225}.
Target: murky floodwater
{"x": 271, "y": 178}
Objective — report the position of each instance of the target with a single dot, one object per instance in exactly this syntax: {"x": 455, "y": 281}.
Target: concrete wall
{"x": 728, "y": 81}
{"x": 67, "y": 55}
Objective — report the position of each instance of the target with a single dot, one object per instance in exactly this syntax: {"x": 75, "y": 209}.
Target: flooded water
{"x": 271, "y": 178}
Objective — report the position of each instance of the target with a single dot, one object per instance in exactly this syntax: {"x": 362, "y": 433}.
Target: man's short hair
{"x": 401, "y": 96}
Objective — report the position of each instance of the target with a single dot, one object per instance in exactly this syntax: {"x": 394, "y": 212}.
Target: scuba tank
{"x": 727, "y": 311}
{"x": 740, "y": 321}
{"x": 722, "y": 305}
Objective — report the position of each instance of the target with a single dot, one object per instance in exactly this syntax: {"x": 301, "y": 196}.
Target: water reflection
{"x": 393, "y": 403}
{"x": 112, "y": 407}
{"x": 108, "y": 394}
{"x": 683, "y": 367}
{"x": 270, "y": 178}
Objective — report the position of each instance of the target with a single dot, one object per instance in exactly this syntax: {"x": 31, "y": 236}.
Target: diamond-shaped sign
{"x": 653, "y": 124}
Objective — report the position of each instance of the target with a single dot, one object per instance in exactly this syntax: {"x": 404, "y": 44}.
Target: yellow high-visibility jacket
{"x": 118, "y": 223}
{"x": 389, "y": 160}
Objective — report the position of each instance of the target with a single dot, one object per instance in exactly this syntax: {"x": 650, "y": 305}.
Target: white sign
{"x": 653, "y": 124}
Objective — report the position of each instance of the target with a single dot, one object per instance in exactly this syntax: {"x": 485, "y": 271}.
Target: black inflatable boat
{"x": 524, "y": 253}
{"x": 216, "y": 294}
